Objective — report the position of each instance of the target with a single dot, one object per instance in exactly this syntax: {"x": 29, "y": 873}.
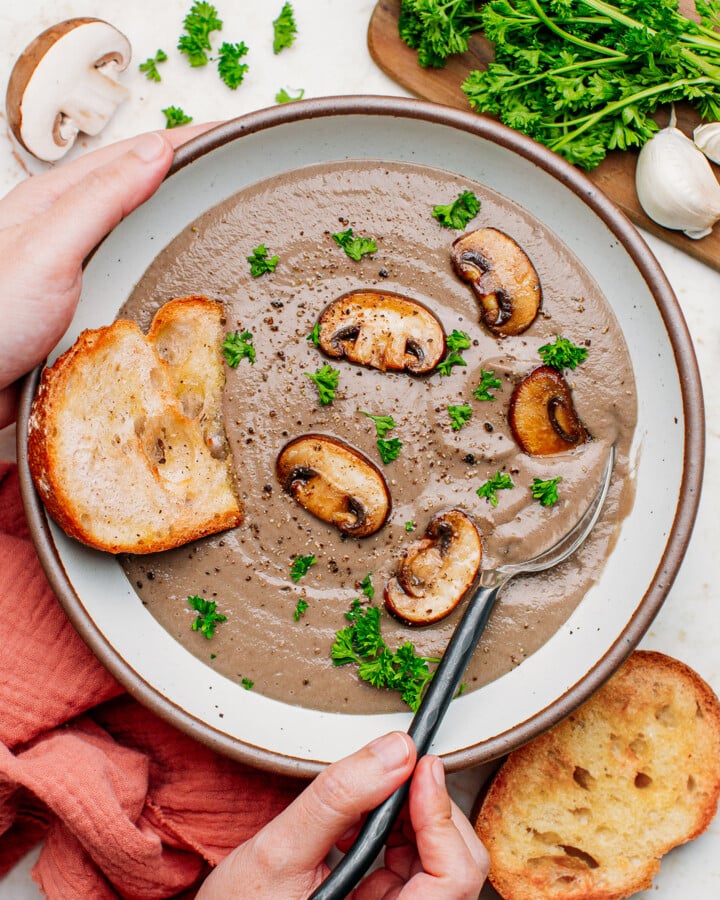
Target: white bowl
{"x": 668, "y": 441}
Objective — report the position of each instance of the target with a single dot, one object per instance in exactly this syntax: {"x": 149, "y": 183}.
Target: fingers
{"x": 451, "y": 858}
{"x": 336, "y": 800}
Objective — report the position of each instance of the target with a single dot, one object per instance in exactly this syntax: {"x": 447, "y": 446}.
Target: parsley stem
{"x": 571, "y": 38}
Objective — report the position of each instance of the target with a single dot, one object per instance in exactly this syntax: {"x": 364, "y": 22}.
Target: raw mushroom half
{"x": 542, "y": 415}
{"x": 64, "y": 82}
{"x": 503, "y": 278}
{"x": 335, "y": 482}
{"x": 382, "y": 330}
{"x": 436, "y": 571}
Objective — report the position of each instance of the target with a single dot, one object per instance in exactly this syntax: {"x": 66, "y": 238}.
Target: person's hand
{"x": 437, "y": 856}
{"x": 48, "y": 225}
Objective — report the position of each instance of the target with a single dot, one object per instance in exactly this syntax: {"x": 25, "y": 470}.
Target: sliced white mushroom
{"x": 382, "y": 330}
{"x": 64, "y": 82}
{"x": 335, "y": 482}
{"x": 436, "y": 571}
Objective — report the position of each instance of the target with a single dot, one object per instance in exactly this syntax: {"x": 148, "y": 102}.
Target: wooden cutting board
{"x": 615, "y": 176}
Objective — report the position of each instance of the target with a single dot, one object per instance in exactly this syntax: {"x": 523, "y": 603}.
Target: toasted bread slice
{"x": 126, "y": 443}
{"x": 585, "y": 811}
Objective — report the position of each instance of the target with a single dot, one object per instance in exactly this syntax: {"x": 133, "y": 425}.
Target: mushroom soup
{"x": 279, "y": 629}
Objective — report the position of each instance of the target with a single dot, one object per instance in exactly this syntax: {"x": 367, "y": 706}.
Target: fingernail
{"x": 150, "y": 147}
{"x": 438, "y": 772}
{"x": 392, "y": 750}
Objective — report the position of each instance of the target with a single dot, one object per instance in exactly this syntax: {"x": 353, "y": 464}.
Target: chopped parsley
{"x": 284, "y": 28}
{"x": 456, "y": 342}
{"x": 238, "y": 346}
{"x": 229, "y": 67}
{"x": 488, "y": 382}
{"x": 562, "y": 354}
{"x": 207, "y": 617}
{"x": 545, "y": 491}
{"x": 149, "y": 67}
{"x": 458, "y": 213}
{"x": 175, "y": 116}
{"x": 361, "y": 643}
{"x": 247, "y": 683}
{"x": 326, "y": 381}
{"x": 301, "y": 607}
{"x": 199, "y": 23}
{"x": 314, "y": 336}
{"x": 283, "y": 96}
{"x": 355, "y": 247}
{"x": 389, "y": 449}
{"x": 459, "y": 415}
{"x": 501, "y": 481}
{"x": 367, "y": 587}
{"x": 383, "y": 424}
{"x": 300, "y": 566}
{"x": 260, "y": 263}
{"x": 410, "y": 526}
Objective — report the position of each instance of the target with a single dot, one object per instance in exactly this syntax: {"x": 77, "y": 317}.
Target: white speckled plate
{"x": 669, "y": 442}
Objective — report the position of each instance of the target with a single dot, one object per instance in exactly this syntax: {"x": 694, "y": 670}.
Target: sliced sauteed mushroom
{"x": 382, "y": 330}
{"x": 436, "y": 571}
{"x": 503, "y": 278}
{"x": 542, "y": 415}
{"x": 64, "y": 82}
{"x": 335, "y": 482}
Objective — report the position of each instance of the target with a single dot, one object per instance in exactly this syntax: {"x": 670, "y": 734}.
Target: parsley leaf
{"x": 284, "y": 28}
{"x": 174, "y": 116}
{"x": 326, "y": 381}
{"x": 301, "y": 607}
{"x": 247, "y": 683}
{"x": 355, "y": 247}
{"x": 283, "y": 96}
{"x": 367, "y": 587}
{"x": 207, "y": 617}
{"x": 238, "y": 346}
{"x": 499, "y": 482}
{"x": 389, "y": 449}
{"x": 383, "y": 424}
{"x": 149, "y": 67}
{"x": 563, "y": 354}
{"x": 545, "y": 491}
{"x": 437, "y": 28}
{"x": 198, "y": 23}
{"x": 458, "y": 213}
{"x": 260, "y": 263}
{"x": 362, "y": 644}
{"x": 455, "y": 342}
{"x": 459, "y": 415}
{"x": 410, "y": 526}
{"x": 314, "y": 336}
{"x": 300, "y": 566}
{"x": 488, "y": 382}
{"x": 230, "y": 69}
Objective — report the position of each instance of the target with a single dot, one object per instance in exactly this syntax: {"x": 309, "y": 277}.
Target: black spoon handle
{"x": 443, "y": 687}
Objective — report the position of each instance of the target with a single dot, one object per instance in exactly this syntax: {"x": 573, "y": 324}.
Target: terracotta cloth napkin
{"x": 126, "y": 805}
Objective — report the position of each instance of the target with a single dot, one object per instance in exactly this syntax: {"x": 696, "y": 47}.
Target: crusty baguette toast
{"x": 126, "y": 443}
{"x": 585, "y": 811}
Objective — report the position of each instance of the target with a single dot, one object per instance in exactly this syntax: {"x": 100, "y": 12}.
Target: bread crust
{"x": 125, "y": 439}
{"x": 586, "y": 810}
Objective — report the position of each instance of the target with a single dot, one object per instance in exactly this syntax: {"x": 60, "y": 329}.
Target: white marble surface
{"x": 330, "y": 57}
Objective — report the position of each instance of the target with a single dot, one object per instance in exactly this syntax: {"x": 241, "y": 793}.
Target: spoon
{"x": 483, "y": 594}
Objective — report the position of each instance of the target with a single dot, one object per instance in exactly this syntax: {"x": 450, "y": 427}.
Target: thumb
{"x": 90, "y": 209}
{"x": 338, "y": 798}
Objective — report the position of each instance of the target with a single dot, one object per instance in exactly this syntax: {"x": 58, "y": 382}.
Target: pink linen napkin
{"x": 127, "y": 806}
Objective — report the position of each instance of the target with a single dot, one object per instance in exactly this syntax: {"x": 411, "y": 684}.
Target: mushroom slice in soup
{"x": 335, "y": 482}
{"x": 542, "y": 415}
{"x": 382, "y": 330}
{"x": 503, "y": 278}
{"x": 435, "y": 572}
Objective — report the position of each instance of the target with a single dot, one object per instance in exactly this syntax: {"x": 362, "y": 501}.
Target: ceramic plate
{"x": 668, "y": 442}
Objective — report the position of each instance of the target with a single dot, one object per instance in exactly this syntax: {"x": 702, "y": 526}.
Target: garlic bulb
{"x": 675, "y": 184}
{"x": 707, "y": 138}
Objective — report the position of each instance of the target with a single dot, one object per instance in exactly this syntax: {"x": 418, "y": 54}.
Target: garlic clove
{"x": 707, "y": 138}
{"x": 675, "y": 184}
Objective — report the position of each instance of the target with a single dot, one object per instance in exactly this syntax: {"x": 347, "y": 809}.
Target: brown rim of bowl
{"x": 694, "y": 436}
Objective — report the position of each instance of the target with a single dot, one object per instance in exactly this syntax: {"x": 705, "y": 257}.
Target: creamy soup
{"x": 246, "y": 571}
